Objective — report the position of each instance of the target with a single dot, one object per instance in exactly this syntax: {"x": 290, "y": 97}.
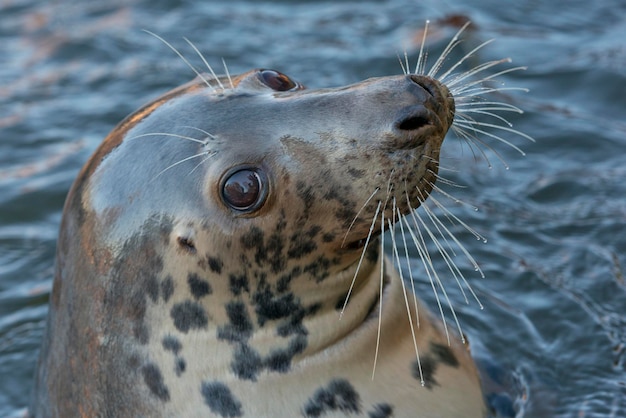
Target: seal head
{"x": 211, "y": 241}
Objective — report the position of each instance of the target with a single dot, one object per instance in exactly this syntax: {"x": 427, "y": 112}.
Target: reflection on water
{"x": 552, "y": 335}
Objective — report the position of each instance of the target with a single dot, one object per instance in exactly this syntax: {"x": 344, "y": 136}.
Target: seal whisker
{"x": 404, "y": 65}
{"x": 487, "y": 112}
{"x": 474, "y": 140}
{"x": 439, "y": 190}
{"x": 450, "y": 216}
{"x": 472, "y": 125}
{"x": 448, "y": 182}
{"x": 189, "y": 138}
{"x": 478, "y": 69}
{"x": 230, "y": 80}
{"x": 451, "y": 45}
{"x": 380, "y": 297}
{"x": 201, "y": 130}
{"x": 215, "y": 77}
{"x": 357, "y": 216}
{"x": 501, "y": 106}
{"x": 449, "y": 261}
{"x": 182, "y": 161}
{"x": 429, "y": 268}
{"x": 358, "y": 267}
{"x": 463, "y": 59}
{"x": 433, "y": 238}
{"x": 456, "y": 273}
{"x": 185, "y": 60}
{"x": 408, "y": 261}
{"x": 477, "y": 92}
{"x": 209, "y": 155}
{"x": 404, "y": 290}
{"x": 421, "y": 57}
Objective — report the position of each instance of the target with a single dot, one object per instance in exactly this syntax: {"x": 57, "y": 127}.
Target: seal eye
{"x": 244, "y": 190}
{"x": 277, "y": 81}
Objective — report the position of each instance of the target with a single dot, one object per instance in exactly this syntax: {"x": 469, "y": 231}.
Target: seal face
{"x": 209, "y": 245}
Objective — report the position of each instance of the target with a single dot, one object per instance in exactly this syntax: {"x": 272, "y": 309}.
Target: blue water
{"x": 553, "y": 331}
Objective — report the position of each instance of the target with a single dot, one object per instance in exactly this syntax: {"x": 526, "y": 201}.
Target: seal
{"x": 220, "y": 255}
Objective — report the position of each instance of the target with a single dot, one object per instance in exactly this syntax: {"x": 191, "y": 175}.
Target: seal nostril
{"x": 419, "y": 80}
{"x": 413, "y": 123}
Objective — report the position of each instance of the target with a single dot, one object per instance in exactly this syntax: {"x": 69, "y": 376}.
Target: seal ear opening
{"x": 187, "y": 244}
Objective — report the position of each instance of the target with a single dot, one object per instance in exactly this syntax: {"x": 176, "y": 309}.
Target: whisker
{"x": 380, "y": 298}
{"x": 406, "y": 300}
{"x": 456, "y": 272}
{"x": 438, "y": 189}
{"x": 445, "y": 181}
{"x": 433, "y": 238}
{"x": 184, "y": 160}
{"x": 471, "y": 139}
{"x": 358, "y": 267}
{"x": 421, "y": 58}
{"x": 357, "y": 216}
{"x": 470, "y": 73}
{"x": 202, "y": 162}
{"x": 404, "y": 65}
{"x": 198, "y": 73}
{"x": 199, "y": 141}
{"x": 201, "y": 130}
{"x": 230, "y": 80}
{"x": 505, "y": 107}
{"x": 451, "y": 45}
{"x": 429, "y": 267}
{"x": 215, "y": 77}
{"x": 472, "y": 125}
{"x": 462, "y": 60}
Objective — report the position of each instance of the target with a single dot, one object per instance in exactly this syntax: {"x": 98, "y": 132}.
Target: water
{"x": 554, "y": 323}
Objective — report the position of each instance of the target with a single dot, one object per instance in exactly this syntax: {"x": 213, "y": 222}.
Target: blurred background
{"x": 551, "y": 338}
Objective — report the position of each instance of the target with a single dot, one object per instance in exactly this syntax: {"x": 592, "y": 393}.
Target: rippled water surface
{"x": 553, "y": 331}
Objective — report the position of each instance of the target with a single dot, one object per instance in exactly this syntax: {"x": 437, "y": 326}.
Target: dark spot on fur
{"x": 356, "y": 174}
{"x": 444, "y": 354}
{"x": 189, "y": 315}
{"x": 153, "y": 378}
{"x": 300, "y": 246}
{"x": 280, "y": 360}
{"x": 253, "y": 238}
{"x": 339, "y": 395}
{"x": 238, "y": 284}
{"x": 308, "y": 197}
{"x": 284, "y": 282}
{"x": 171, "y": 343}
{"x": 268, "y": 306}
{"x": 152, "y": 288}
{"x": 141, "y": 332}
{"x": 240, "y": 327}
{"x": 215, "y": 264}
{"x": 180, "y": 366}
{"x": 343, "y": 300}
{"x": 328, "y": 237}
{"x": 246, "y": 363}
{"x": 381, "y": 410}
{"x": 137, "y": 308}
{"x": 220, "y": 399}
{"x": 372, "y": 252}
{"x": 198, "y": 287}
{"x": 167, "y": 288}
{"x": 429, "y": 367}
{"x": 318, "y": 269}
